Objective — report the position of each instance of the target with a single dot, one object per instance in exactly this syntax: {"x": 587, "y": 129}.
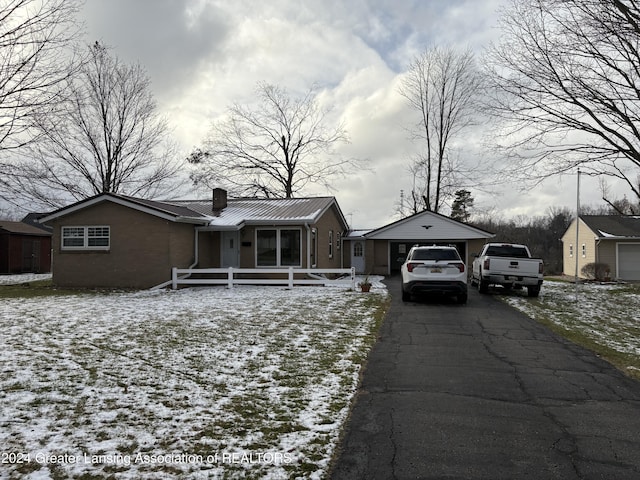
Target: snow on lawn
{"x": 253, "y": 382}
{"x": 23, "y": 278}
{"x": 608, "y": 314}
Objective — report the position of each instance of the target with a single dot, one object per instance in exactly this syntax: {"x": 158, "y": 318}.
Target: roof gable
{"x": 428, "y": 225}
{"x": 163, "y": 210}
{"x": 613, "y": 226}
{"x": 33, "y": 219}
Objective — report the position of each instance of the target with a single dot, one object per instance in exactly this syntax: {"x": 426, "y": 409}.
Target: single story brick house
{"x": 382, "y": 251}
{"x": 112, "y": 240}
{"x": 613, "y": 240}
{"x": 24, "y": 248}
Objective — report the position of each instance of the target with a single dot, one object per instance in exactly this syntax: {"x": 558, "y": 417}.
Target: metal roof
{"x": 613, "y": 226}
{"x": 247, "y": 211}
{"x": 238, "y": 212}
{"x": 167, "y": 207}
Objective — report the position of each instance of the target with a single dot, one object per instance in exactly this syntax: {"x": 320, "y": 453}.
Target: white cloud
{"x": 203, "y": 55}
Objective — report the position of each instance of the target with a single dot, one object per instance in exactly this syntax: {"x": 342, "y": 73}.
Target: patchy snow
{"x": 194, "y": 383}
{"x": 607, "y": 313}
{"x": 23, "y": 278}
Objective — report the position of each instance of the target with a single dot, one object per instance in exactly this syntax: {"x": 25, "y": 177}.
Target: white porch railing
{"x": 284, "y": 276}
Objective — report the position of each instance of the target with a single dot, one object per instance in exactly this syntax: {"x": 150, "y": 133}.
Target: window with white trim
{"x": 330, "y": 243}
{"x": 313, "y": 252}
{"x": 571, "y": 249}
{"x": 86, "y": 238}
{"x": 584, "y": 251}
{"x": 278, "y": 247}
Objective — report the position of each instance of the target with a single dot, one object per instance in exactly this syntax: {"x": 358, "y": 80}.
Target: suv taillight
{"x": 411, "y": 266}
{"x": 541, "y": 268}
{"x": 459, "y": 265}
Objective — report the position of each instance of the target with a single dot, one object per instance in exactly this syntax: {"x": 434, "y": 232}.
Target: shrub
{"x": 596, "y": 271}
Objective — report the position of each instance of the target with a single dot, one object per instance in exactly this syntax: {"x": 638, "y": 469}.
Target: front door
{"x": 357, "y": 256}
{"x": 230, "y": 252}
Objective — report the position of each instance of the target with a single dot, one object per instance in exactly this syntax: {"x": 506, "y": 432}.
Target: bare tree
{"x": 566, "y": 83}
{"x": 35, "y": 59}
{"x": 273, "y": 149}
{"x": 107, "y": 136}
{"x": 442, "y": 85}
{"x": 619, "y": 206}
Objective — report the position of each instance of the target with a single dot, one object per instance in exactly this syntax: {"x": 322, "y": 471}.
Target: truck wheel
{"x": 533, "y": 291}
{"x": 462, "y": 298}
{"x": 483, "y": 286}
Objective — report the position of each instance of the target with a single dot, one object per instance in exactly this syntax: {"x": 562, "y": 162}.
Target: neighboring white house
{"x": 613, "y": 240}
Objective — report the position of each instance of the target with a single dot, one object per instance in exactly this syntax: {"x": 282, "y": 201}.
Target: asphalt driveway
{"x": 480, "y": 391}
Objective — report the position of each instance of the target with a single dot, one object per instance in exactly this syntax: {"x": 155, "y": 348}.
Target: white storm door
{"x": 230, "y": 252}
{"x": 357, "y": 256}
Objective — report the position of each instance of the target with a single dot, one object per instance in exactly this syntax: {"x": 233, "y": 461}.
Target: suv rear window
{"x": 435, "y": 254}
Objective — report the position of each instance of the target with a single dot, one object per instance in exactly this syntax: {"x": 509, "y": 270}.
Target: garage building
{"x": 382, "y": 251}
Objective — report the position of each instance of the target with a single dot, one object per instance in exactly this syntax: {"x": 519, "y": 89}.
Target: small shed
{"x": 24, "y": 248}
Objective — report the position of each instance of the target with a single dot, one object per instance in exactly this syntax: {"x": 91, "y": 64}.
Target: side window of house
{"x": 571, "y": 250}
{"x": 330, "y": 243}
{"x": 86, "y": 238}
{"x": 314, "y": 247}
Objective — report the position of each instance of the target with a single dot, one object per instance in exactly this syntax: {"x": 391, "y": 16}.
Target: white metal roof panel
{"x": 261, "y": 211}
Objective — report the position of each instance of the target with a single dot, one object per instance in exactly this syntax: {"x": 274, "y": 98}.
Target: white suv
{"x": 435, "y": 269}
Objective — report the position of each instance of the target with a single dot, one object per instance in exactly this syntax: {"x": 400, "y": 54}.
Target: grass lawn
{"x": 254, "y": 382}
{"x": 602, "y": 318}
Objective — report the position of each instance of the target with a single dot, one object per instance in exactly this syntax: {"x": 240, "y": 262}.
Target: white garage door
{"x": 629, "y": 261}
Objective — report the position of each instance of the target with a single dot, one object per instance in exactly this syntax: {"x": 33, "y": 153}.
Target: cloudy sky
{"x": 203, "y": 55}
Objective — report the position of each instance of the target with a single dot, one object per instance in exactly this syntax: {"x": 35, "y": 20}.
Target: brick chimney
{"x": 219, "y": 199}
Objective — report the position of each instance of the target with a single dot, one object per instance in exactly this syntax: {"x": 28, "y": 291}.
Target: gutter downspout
{"x": 196, "y": 256}
{"x": 306, "y": 225}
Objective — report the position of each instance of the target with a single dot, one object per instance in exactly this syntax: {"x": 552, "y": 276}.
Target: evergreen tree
{"x": 462, "y": 204}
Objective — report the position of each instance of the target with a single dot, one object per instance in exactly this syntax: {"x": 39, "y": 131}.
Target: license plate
{"x": 436, "y": 270}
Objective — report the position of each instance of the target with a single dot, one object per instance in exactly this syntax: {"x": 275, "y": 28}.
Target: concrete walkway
{"x": 483, "y": 392}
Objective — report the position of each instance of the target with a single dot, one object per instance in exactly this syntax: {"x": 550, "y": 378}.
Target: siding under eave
{"x": 428, "y": 226}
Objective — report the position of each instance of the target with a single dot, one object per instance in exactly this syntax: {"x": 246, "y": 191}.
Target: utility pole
{"x": 575, "y": 249}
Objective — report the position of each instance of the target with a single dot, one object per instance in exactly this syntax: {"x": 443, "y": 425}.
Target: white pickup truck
{"x": 509, "y": 265}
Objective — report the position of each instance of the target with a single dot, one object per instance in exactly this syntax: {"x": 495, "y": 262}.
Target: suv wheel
{"x": 406, "y": 296}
